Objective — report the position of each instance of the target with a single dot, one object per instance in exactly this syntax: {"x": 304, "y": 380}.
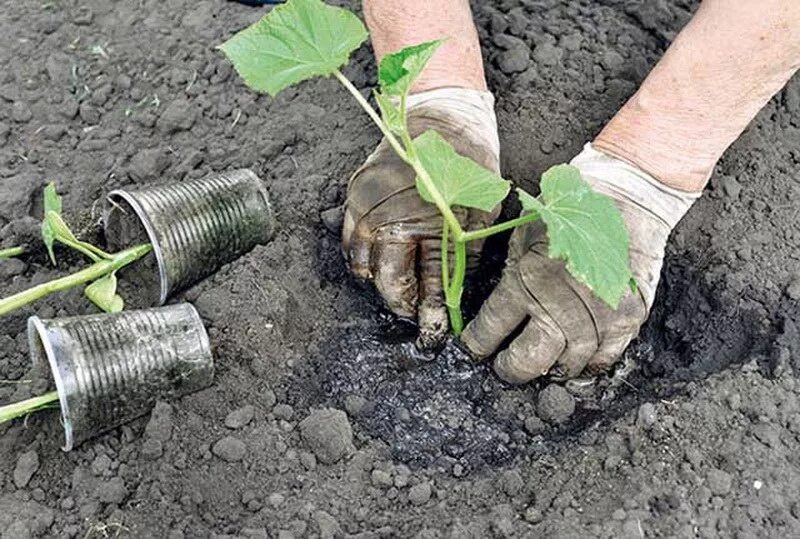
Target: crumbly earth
{"x": 323, "y": 421}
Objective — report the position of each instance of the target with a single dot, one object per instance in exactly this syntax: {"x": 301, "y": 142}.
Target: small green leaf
{"x": 585, "y": 230}
{"x": 398, "y": 71}
{"x": 294, "y": 42}
{"x": 59, "y": 227}
{"x": 391, "y": 113}
{"x": 52, "y": 201}
{"x": 103, "y": 293}
{"x": 460, "y": 181}
{"x": 52, "y": 205}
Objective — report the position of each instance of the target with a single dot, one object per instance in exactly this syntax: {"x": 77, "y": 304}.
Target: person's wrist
{"x": 649, "y": 208}
{"x": 651, "y": 147}
{"x": 467, "y": 115}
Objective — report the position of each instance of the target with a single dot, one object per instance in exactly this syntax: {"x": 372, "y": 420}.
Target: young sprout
{"x": 11, "y": 252}
{"x": 302, "y": 39}
{"x": 101, "y": 275}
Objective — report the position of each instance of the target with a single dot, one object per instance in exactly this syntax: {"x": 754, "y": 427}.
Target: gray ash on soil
{"x": 427, "y": 408}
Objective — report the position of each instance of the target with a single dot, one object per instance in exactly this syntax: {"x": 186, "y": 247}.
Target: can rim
{"x": 262, "y": 190}
{"x": 36, "y": 328}
{"x": 163, "y": 278}
{"x": 205, "y": 341}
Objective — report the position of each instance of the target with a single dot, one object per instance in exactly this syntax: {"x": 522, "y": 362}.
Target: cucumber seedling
{"x": 101, "y": 290}
{"x": 302, "y": 39}
{"x": 100, "y": 276}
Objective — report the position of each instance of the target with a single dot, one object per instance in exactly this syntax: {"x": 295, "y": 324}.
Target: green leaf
{"x": 391, "y": 114}
{"x": 398, "y": 71}
{"x": 585, "y": 230}
{"x": 52, "y": 201}
{"x": 103, "y": 293}
{"x": 460, "y": 181}
{"x": 59, "y": 227}
{"x": 52, "y": 205}
{"x": 295, "y": 41}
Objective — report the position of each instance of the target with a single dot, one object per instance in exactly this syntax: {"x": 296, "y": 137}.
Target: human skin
{"x": 397, "y": 24}
{"x": 723, "y": 67}
{"x": 719, "y": 72}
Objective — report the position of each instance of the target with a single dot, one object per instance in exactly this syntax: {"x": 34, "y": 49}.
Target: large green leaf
{"x": 52, "y": 205}
{"x": 460, "y": 181}
{"x": 585, "y": 230}
{"x": 103, "y": 293}
{"x": 398, "y": 71}
{"x": 295, "y": 41}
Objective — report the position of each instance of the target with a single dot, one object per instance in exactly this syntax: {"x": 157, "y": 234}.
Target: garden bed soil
{"x": 323, "y": 421}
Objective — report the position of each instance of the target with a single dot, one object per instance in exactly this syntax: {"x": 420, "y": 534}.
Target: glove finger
{"x": 393, "y": 269}
{"x": 499, "y": 316}
{"x": 533, "y": 352}
{"x": 608, "y": 353}
{"x": 560, "y": 296}
{"x": 432, "y": 318}
{"x": 631, "y": 313}
{"x": 358, "y": 252}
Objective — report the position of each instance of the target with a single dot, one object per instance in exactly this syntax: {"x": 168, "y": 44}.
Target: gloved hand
{"x": 566, "y": 330}
{"x": 390, "y": 235}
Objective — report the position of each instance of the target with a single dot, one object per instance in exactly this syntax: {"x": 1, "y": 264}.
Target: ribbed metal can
{"x": 195, "y": 226}
{"x": 111, "y": 368}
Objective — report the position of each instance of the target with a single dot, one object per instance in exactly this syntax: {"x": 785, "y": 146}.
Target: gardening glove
{"x": 565, "y": 329}
{"x": 390, "y": 235}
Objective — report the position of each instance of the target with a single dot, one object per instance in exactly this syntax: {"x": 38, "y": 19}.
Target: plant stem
{"x": 92, "y": 273}
{"x": 453, "y": 292}
{"x": 445, "y": 255}
{"x": 23, "y": 408}
{"x": 406, "y": 155}
{"x": 11, "y": 252}
{"x": 479, "y": 234}
{"x": 81, "y": 248}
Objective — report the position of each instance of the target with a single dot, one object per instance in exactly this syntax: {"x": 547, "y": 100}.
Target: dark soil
{"x": 322, "y": 421}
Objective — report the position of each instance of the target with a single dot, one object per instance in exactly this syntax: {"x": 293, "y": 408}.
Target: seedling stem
{"x": 23, "y": 408}
{"x": 11, "y": 252}
{"x": 99, "y": 269}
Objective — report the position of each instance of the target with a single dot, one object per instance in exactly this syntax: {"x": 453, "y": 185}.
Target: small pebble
{"x": 27, "y": 465}
{"x": 283, "y": 411}
{"x": 328, "y": 434}
{"x": 719, "y": 482}
{"x": 555, "y": 404}
{"x": 420, "y": 494}
{"x": 382, "y": 479}
{"x": 240, "y": 417}
{"x": 533, "y": 515}
{"x": 229, "y": 449}
{"x": 646, "y": 417}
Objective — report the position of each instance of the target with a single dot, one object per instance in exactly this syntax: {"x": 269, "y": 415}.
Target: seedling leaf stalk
{"x": 302, "y": 39}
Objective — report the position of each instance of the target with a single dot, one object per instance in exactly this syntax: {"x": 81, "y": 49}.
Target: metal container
{"x": 195, "y": 227}
{"x": 112, "y": 368}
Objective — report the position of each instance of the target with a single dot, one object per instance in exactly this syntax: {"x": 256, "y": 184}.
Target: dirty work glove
{"x": 390, "y": 235}
{"x": 565, "y": 329}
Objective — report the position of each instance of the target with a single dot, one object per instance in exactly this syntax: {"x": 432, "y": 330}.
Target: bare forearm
{"x": 721, "y": 70}
{"x": 396, "y": 24}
